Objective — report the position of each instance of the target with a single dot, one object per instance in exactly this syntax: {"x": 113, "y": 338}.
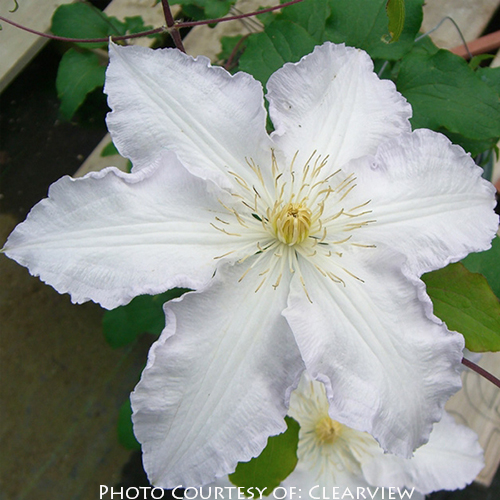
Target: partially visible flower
{"x": 304, "y": 249}
{"x": 333, "y": 457}
{"x": 336, "y": 461}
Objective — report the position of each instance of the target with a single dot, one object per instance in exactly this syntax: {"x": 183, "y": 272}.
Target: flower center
{"x": 291, "y": 223}
{"x": 303, "y": 215}
{"x": 328, "y": 430}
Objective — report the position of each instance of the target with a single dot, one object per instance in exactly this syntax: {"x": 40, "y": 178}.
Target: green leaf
{"x": 228, "y": 46}
{"x": 109, "y": 150}
{"x": 125, "y": 429}
{"x": 82, "y": 20}
{"x": 217, "y": 8}
{"x": 309, "y": 14}
{"x": 144, "y": 314}
{"x": 276, "y": 462}
{"x": 473, "y": 146}
{"x": 192, "y": 11}
{"x": 281, "y": 42}
{"x": 135, "y": 24}
{"x": 364, "y": 24}
{"x": 78, "y": 74}
{"x": 396, "y": 14}
{"x": 490, "y": 76}
{"x": 477, "y": 60}
{"x": 487, "y": 161}
{"x": 465, "y": 302}
{"x": 205, "y": 9}
{"x": 446, "y": 93}
{"x": 488, "y": 264}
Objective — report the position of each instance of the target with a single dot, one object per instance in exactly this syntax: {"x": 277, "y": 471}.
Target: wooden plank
{"x": 481, "y": 45}
{"x": 18, "y": 47}
{"x": 471, "y": 17}
{"x": 95, "y": 161}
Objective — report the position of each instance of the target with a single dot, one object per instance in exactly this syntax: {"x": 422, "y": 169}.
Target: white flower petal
{"x": 217, "y": 382}
{"x": 332, "y": 101}
{"x": 315, "y": 482}
{"x": 450, "y": 460}
{"x": 323, "y": 466}
{"x": 428, "y": 200}
{"x": 331, "y": 469}
{"x": 164, "y": 99}
{"x": 387, "y": 368}
{"x": 110, "y": 236}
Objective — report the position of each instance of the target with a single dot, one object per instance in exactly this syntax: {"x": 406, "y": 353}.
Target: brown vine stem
{"x": 481, "y": 371}
{"x": 174, "y": 30}
{"x": 83, "y": 40}
{"x": 176, "y": 27}
{"x": 190, "y": 24}
{"x": 240, "y": 42}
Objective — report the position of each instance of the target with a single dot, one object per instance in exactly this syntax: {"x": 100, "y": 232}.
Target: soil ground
{"x": 61, "y": 384}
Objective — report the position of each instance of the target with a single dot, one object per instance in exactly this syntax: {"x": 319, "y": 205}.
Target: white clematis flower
{"x": 305, "y": 249}
{"x": 335, "y": 458}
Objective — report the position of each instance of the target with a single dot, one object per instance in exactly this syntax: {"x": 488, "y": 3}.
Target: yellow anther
{"x": 292, "y": 223}
{"x": 328, "y": 430}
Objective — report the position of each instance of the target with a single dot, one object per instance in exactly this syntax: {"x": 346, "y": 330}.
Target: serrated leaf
{"x": 144, "y": 314}
{"x": 281, "y": 42}
{"x": 276, "y": 462}
{"x": 446, "y": 93}
{"x": 465, "y": 302}
{"x": 82, "y": 20}
{"x": 78, "y": 74}
{"x": 488, "y": 264}
{"x": 396, "y": 13}
{"x": 365, "y": 25}
{"x": 125, "y": 429}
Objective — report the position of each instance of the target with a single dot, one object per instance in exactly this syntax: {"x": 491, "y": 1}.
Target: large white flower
{"x": 304, "y": 248}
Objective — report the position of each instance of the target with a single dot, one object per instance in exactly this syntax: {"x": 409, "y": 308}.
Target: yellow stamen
{"x": 328, "y": 430}
{"x": 292, "y": 223}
